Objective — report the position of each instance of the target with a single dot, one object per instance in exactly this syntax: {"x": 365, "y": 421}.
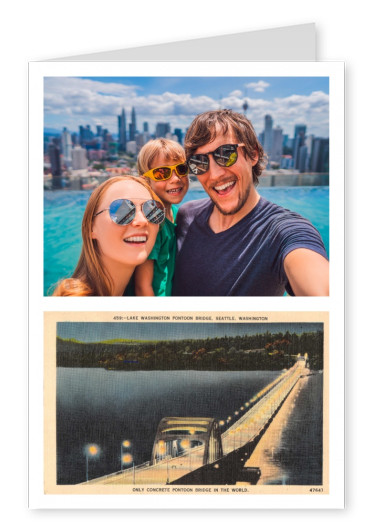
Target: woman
{"x": 119, "y": 229}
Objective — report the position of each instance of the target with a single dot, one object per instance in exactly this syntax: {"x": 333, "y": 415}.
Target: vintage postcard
{"x": 185, "y": 403}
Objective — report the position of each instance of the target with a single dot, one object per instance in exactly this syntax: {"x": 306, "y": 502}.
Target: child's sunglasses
{"x": 164, "y": 173}
{"x": 123, "y": 211}
{"x": 224, "y": 156}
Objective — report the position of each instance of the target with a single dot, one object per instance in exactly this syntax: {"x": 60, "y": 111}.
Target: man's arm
{"x": 307, "y": 272}
{"x": 143, "y": 278}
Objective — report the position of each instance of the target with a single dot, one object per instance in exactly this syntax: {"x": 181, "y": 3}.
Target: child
{"x": 162, "y": 163}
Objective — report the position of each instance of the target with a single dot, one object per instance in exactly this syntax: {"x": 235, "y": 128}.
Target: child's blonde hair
{"x": 170, "y": 149}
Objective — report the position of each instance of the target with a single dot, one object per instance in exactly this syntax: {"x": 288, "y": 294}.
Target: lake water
{"x": 63, "y": 211}
{"x": 107, "y": 407}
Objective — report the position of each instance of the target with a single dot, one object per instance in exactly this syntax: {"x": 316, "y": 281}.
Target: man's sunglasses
{"x": 123, "y": 211}
{"x": 164, "y": 172}
{"x": 224, "y": 156}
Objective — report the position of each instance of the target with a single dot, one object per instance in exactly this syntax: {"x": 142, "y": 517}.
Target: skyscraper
{"x": 86, "y": 135}
{"x": 79, "y": 158}
{"x": 320, "y": 155}
{"x": 302, "y": 159}
{"x": 132, "y": 125}
{"x": 141, "y": 140}
{"x": 277, "y": 141}
{"x": 74, "y": 138}
{"x": 122, "y": 129}
{"x": 161, "y": 130}
{"x": 179, "y": 134}
{"x": 299, "y": 141}
{"x": 66, "y": 144}
{"x": 268, "y": 135}
{"x": 54, "y": 156}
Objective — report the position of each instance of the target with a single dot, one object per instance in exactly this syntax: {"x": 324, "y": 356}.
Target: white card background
{"x": 333, "y": 304}
{"x": 30, "y": 34}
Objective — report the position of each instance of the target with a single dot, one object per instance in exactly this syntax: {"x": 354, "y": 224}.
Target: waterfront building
{"x": 309, "y": 143}
{"x": 320, "y": 155}
{"x": 302, "y": 159}
{"x": 287, "y": 162}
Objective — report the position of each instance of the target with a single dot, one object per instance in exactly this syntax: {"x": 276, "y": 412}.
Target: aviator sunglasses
{"x": 225, "y": 156}
{"x": 163, "y": 173}
{"x": 123, "y": 211}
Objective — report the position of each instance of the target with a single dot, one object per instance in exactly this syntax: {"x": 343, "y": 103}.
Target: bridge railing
{"x": 125, "y": 472}
{"x": 255, "y": 419}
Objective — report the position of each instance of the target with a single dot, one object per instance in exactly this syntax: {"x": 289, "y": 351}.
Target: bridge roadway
{"x": 247, "y": 429}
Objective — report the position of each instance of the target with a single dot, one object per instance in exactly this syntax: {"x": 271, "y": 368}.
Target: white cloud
{"x": 260, "y": 86}
{"x": 71, "y": 102}
{"x": 236, "y": 93}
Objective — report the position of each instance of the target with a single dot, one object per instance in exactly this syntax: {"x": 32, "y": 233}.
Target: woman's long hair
{"x": 90, "y": 276}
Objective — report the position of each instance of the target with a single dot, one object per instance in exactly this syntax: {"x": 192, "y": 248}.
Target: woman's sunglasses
{"x": 164, "y": 172}
{"x": 224, "y": 156}
{"x": 123, "y": 211}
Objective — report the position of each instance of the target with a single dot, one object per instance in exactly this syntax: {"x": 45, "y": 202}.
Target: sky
{"x": 90, "y": 332}
{"x": 73, "y": 101}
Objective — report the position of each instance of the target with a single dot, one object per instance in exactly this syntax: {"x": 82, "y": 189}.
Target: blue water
{"x": 63, "y": 211}
{"x": 106, "y": 407}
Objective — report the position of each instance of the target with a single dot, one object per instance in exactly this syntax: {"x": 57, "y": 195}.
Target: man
{"x": 236, "y": 242}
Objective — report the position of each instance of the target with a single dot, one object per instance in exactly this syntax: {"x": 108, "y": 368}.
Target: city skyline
{"x": 71, "y": 102}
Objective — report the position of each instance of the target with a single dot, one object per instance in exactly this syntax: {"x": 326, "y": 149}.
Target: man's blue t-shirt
{"x": 246, "y": 259}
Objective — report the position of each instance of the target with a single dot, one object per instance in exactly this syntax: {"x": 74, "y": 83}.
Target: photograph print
{"x": 186, "y": 186}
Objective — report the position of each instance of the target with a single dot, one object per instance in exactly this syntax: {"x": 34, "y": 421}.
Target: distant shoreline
{"x": 283, "y": 178}
{"x": 269, "y": 178}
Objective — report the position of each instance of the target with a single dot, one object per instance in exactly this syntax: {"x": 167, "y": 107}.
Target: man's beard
{"x": 242, "y": 201}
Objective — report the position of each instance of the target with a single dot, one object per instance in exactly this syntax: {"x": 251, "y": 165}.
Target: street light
{"x": 125, "y": 444}
{"x": 92, "y": 451}
{"x": 126, "y": 459}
